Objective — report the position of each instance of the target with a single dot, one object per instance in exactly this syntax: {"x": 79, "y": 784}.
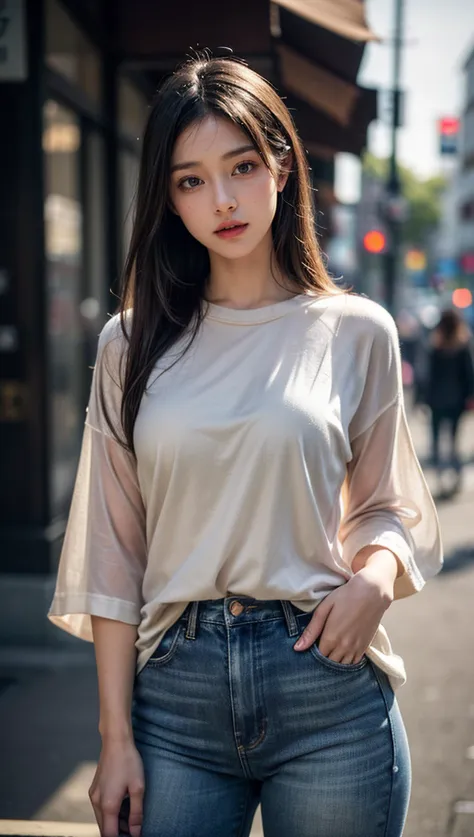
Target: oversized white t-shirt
{"x": 266, "y": 458}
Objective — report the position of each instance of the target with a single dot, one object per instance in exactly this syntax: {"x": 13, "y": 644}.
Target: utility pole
{"x": 393, "y": 186}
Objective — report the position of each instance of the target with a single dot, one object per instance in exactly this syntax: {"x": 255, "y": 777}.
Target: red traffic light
{"x": 374, "y": 241}
{"x": 449, "y": 126}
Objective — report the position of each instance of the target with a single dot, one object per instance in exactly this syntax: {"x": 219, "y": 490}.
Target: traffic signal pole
{"x": 393, "y": 188}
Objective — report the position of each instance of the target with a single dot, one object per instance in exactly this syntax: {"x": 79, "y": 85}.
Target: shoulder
{"x": 113, "y": 340}
{"x": 107, "y": 386}
{"x": 363, "y": 322}
{"x": 111, "y": 350}
{"x": 113, "y": 331}
{"x": 365, "y": 315}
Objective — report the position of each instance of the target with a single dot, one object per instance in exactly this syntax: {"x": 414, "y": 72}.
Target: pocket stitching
{"x": 155, "y": 662}
{"x": 336, "y": 666}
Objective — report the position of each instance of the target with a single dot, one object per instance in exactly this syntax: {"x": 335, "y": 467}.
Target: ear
{"x": 285, "y": 170}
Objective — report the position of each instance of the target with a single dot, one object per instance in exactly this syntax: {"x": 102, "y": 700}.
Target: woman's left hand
{"x": 347, "y": 619}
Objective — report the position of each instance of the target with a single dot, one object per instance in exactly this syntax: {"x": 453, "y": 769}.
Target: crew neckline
{"x": 249, "y": 316}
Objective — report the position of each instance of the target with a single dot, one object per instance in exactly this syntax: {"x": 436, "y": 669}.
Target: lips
{"x": 226, "y": 225}
{"x": 231, "y": 229}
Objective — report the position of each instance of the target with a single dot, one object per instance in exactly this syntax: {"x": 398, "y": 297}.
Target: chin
{"x": 232, "y": 255}
{"x": 235, "y": 249}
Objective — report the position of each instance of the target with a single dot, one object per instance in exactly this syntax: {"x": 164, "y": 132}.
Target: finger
{"x": 135, "y": 818}
{"x": 337, "y": 652}
{"x": 328, "y": 648}
{"x": 313, "y": 630}
{"x": 330, "y": 652}
{"x": 98, "y": 817}
{"x": 348, "y": 659}
{"x": 96, "y": 809}
{"x": 110, "y": 812}
{"x": 358, "y": 658}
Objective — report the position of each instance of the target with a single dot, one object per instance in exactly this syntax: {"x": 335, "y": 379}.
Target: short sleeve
{"x": 386, "y": 500}
{"x": 103, "y": 557}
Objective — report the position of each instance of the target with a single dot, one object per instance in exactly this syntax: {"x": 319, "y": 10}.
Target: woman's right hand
{"x": 119, "y": 774}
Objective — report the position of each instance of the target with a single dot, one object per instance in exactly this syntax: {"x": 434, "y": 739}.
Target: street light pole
{"x": 393, "y": 186}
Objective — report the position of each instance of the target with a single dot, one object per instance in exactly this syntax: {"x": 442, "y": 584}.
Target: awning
{"x": 331, "y": 33}
{"x": 344, "y": 17}
{"x": 331, "y": 113}
{"x": 320, "y": 44}
{"x": 317, "y": 86}
{"x": 319, "y": 130}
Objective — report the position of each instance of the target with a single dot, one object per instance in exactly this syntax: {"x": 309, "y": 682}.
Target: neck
{"x": 250, "y": 282}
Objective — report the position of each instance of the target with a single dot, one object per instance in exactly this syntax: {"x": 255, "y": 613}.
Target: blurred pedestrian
{"x": 449, "y": 384}
{"x": 248, "y": 503}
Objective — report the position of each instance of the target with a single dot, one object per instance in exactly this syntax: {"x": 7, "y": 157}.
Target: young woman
{"x": 450, "y": 383}
{"x": 248, "y": 502}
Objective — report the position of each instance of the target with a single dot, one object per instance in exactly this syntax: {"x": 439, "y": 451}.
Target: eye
{"x": 192, "y": 181}
{"x": 248, "y": 166}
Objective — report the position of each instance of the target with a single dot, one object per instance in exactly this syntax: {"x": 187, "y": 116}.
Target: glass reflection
{"x": 63, "y": 248}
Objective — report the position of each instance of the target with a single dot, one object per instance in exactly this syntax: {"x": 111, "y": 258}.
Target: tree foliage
{"x": 423, "y": 197}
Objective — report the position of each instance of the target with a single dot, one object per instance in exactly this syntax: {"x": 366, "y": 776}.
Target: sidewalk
{"x": 49, "y": 709}
{"x": 434, "y": 634}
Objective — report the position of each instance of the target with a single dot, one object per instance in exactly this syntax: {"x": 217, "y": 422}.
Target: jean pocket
{"x": 325, "y": 661}
{"x": 304, "y": 618}
{"x": 167, "y": 648}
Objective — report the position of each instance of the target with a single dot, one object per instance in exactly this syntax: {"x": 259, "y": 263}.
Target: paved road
{"x": 48, "y": 711}
{"x": 434, "y": 632}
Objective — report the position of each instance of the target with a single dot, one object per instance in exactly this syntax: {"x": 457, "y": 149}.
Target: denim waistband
{"x": 235, "y": 610}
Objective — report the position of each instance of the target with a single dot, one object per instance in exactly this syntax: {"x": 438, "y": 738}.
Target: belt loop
{"x": 290, "y": 618}
{"x": 192, "y": 621}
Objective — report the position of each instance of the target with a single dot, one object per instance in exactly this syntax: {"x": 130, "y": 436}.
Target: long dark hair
{"x": 451, "y": 329}
{"x": 166, "y": 269}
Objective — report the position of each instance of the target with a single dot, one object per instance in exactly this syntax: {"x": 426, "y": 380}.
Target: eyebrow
{"x": 227, "y": 156}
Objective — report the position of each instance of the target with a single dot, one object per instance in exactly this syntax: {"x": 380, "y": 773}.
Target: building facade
{"x": 465, "y": 190}
{"x": 76, "y": 80}
{"x": 454, "y": 242}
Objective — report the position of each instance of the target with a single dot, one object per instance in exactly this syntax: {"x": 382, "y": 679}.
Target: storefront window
{"x": 71, "y": 54}
{"x": 64, "y": 254}
{"x": 132, "y": 109}
{"x": 96, "y": 279}
{"x": 95, "y": 301}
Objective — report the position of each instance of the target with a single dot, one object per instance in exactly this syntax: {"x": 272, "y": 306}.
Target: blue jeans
{"x": 227, "y": 715}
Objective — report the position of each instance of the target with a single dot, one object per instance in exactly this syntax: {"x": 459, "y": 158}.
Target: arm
{"x": 389, "y": 533}
{"x": 386, "y": 500}
{"x": 347, "y": 619}
{"x": 115, "y": 653}
{"x": 118, "y": 545}
{"x": 104, "y": 554}
{"x": 379, "y": 563}
{"x": 120, "y": 770}
{"x": 98, "y": 592}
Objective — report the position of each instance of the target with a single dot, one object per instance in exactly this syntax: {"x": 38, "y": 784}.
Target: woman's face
{"x": 219, "y": 179}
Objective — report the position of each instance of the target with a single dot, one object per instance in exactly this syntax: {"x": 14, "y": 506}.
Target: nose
{"x": 224, "y": 201}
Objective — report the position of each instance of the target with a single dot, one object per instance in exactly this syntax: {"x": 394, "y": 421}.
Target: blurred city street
{"x": 48, "y": 706}
{"x": 363, "y": 113}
